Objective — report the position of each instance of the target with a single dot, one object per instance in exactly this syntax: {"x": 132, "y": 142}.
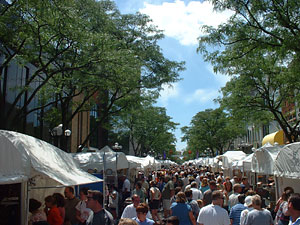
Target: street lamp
{"x": 58, "y": 132}
{"x": 116, "y": 147}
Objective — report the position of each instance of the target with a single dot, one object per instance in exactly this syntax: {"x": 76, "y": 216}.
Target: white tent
{"x": 23, "y": 157}
{"x": 37, "y": 166}
{"x": 247, "y": 163}
{"x": 263, "y": 159}
{"x": 230, "y": 156}
{"x": 145, "y": 162}
{"x": 244, "y": 164}
{"x": 94, "y": 160}
{"x": 166, "y": 163}
{"x": 287, "y": 167}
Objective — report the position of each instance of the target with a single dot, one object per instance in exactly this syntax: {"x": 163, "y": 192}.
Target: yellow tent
{"x": 277, "y": 137}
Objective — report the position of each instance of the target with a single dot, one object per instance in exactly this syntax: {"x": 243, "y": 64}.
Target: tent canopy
{"x": 145, "y": 162}
{"x": 94, "y": 160}
{"x": 263, "y": 159}
{"x": 24, "y": 157}
{"x": 230, "y": 156}
{"x": 276, "y": 137}
{"x": 287, "y": 163}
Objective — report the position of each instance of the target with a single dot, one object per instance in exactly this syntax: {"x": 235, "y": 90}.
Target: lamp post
{"x": 116, "y": 147}
{"x": 58, "y": 132}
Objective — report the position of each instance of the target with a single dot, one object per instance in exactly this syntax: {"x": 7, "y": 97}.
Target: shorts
{"x": 154, "y": 204}
{"x": 167, "y": 204}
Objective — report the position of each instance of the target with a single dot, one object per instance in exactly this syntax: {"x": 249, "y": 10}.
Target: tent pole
{"x": 104, "y": 183}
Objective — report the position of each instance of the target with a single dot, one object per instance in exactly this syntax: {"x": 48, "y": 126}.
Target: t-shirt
{"x": 235, "y": 213}
{"x": 181, "y": 210}
{"x": 130, "y": 212}
{"x": 195, "y": 207}
{"x": 126, "y": 185}
{"x": 54, "y": 217}
{"x": 197, "y": 194}
{"x": 259, "y": 217}
{"x": 297, "y": 221}
{"x": 103, "y": 217}
{"x": 244, "y": 215}
{"x": 84, "y": 211}
{"x": 213, "y": 215}
{"x": 166, "y": 193}
{"x": 233, "y": 200}
{"x": 145, "y": 222}
{"x": 140, "y": 193}
{"x": 207, "y": 197}
{"x": 156, "y": 193}
{"x": 70, "y": 205}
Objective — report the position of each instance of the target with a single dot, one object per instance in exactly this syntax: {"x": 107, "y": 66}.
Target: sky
{"x": 181, "y": 20}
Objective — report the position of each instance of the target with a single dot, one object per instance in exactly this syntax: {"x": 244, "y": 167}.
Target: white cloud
{"x": 169, "y": 91}
{"x": 182, "y": 21}
{"x": 220, "y": 78}
{"x": 202, "y": 96}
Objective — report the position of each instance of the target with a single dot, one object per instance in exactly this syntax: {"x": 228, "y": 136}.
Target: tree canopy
{"x": 150, "y": 129}
{"x": 83, "y": 48}
{"x": 259, "y": 48}
{"x": 212, "y": 130}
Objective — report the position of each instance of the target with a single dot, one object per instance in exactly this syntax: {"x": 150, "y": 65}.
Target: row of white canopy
{"x": 282, "y": 161}
{"x": 106, "y": 158}
{"x": 23, "y": 157}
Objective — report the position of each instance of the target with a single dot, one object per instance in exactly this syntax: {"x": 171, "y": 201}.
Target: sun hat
{"x": 248, "y": 201}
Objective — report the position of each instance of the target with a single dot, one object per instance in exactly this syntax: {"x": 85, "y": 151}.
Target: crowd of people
{"x": 175, "y": 196}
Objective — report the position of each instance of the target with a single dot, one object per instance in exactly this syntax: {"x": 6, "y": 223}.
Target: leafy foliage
{"x": 213, "y": 130}
{"x": 259, "y": 47}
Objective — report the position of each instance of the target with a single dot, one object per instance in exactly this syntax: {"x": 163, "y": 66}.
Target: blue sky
{"x": 181, "y": 21}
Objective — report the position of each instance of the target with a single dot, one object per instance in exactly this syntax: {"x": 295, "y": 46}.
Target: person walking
{"x": 249, "y": 208}
{"x": 100, "y": 215}
{"x": 294, "y": 209}
{"x": 281, "y": 218}
{"x": 233, "y": 198}
{"x": 235, "y": 212}
{"x": 167, "y": 194}
{"x": 154, "y": 200}
{"x": 141, "y": 212}
{"x": 258, "y": 215}
{"x": 207, "y": 196}
{"x": 82, "y": 212}
{"x": 214, "y": 213}
{"x": 70, "y": 206}
{"x": 182, "y": 210}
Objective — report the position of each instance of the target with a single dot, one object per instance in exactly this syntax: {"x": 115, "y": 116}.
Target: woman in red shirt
{"x": 53, "y": 215}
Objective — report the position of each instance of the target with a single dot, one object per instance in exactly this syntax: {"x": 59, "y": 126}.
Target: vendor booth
{"x": 32, "y": 168}
{"x": 287, "y": 168}
{"x": 95, "y": 160}
{"x": 263, "y": 159}
{"x": 228, "y": 158}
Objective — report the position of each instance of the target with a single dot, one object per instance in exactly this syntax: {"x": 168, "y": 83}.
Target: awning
{"x": 24, "y": 157}
{"x": 277, "y": 137}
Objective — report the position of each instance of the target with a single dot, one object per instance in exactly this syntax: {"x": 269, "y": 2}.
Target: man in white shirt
{"x": 214, "y": 213}
{"x": 233, "y": 198}
{"x": 130, "y": 210}
{"x": 125, "y": 188}
{"x": 197, "y": 194}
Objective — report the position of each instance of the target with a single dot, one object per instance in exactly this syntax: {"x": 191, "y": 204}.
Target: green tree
{"x": 81, "y": 48}
{"x": 259, "y": 47}
{"x": 149, "y": 128}
{"x": 211, "y": 129}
